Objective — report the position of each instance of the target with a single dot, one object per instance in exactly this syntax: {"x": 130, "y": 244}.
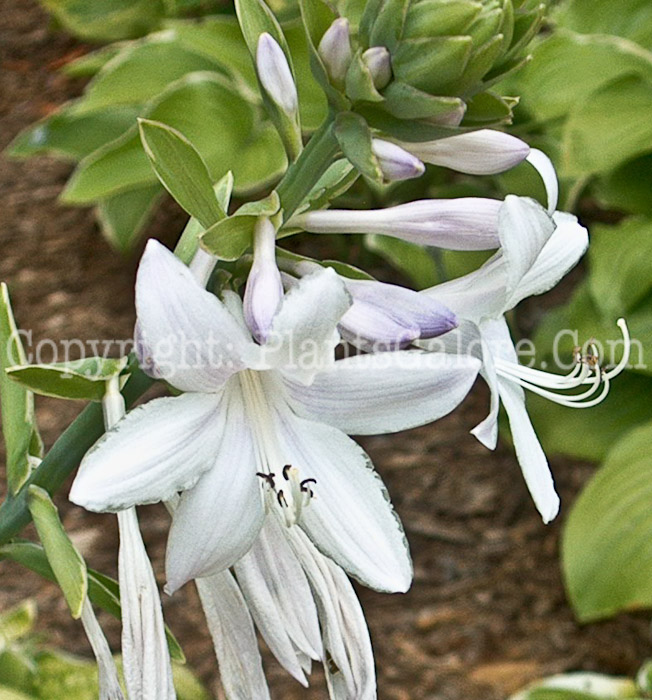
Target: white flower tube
{"x": 146, "y": 660}
{"x": 264, "y": 290}
{"x": 467, "y": 223}
{"x": 275, "y": 74}
{"x": 335, "y": 49}
{"x": 395, "y": 162}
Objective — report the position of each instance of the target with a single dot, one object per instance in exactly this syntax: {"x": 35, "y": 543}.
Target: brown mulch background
{"x": 487, "y": 612}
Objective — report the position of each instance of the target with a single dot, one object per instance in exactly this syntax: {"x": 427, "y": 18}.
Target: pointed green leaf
{"x": 406, "y": 102}
{"x": 78, "y": 379}
{"x": 628, "y": 187}
{"x": 354, "y": 136}
{"x": 608, "y": 533}
{"x": 181, "y": 170}
{"x": 230, "y": 238}
{"x": 18, "y": 424}
{"x": 414, "y": 261}
{"x": 268, "y": 206}
{"x": 335, "y": 181}
{"x": 359, "y": 81}
{"x": 67, "y": 563}
{"x": 102, "y": 590}
{"x": 256, "y": 18}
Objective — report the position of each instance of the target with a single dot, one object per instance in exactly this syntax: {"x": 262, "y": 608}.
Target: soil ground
{"x": 487, "y": 612}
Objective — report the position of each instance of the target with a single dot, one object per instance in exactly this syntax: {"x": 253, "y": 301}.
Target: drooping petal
{"x": 146, "y": 659}
{"x": 467, "y": 223}
{"x": 109, "y": 685}
{"x": 388, "y": 317}
{"x": 482, "y": 152}
{"x": 303, "y": 335}
{"x": 543, "y": 165}
{"x": 559, "y": 255}
{"x": 279, "y": 597}
{"x": 350, "y": 519}
{"x": 159, "y": 448}
{"x": 217, "y": 521}
{"x": 187, "y": 336}
{"x": 234, "y": 637}
{"x": 344, "y": 628}
{"x": 529, "y": 452}
{"x": 487, "y": 430}
{"x": 385, "y": 392}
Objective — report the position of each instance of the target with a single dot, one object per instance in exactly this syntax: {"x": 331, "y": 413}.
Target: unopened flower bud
{"x": 379, "y": 62}
{"x": 483, "y": 152}
{"x": 395, "y": 162}
{"x": 335, "y": 50}
{"x": 388, "y": 317}
{"x": 264, "y": 290}
{"x": 275, "y": 74}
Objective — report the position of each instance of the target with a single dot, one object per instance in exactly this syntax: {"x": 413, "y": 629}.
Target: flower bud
{"x": 395, "y": 162}
{"x": 483, "y": 152}
{"x": 264, "y": 289}
{"x": 275, "y": 74}
{"x": 467, "y": 223}
{"x": 379, "y": 62}
{"x": 335, "y": 50}
{"x": 388, "y": 317}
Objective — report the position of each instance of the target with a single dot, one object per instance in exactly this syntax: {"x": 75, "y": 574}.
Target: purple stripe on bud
{"x": 264, "y": 289}
{"x": 395, "y": 162}
{"x": 335, "y": 50}
{"x": 388, "y": 317}
{"x": 275, "y": 74}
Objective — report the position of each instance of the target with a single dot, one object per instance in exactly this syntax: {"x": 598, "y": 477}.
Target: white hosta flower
{"x": 275, "y": 74}
{"x": 335, "y": 50}
{"x": 468, "y": 223}
{"x": 305, "y": 609}
{"x": 395, "y": 162}
{"x": 252, "y": 414}
{"x": 537, "y": 250}
{"x": 264, "y": 289}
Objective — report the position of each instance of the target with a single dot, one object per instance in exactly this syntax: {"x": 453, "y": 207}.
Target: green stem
{"x": 64, "y": 457}
{"x": 304, "y": 174}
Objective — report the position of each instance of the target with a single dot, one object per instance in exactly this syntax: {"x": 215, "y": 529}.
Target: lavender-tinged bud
{"x": 483, "y": 152}
{"x": 395, "y": 162}
{"x": 275, "y": 74}
{"x": 264, "y": 289}
{"x": 379, "y": 62}
{"x": 335, "y": 50}
{"x": 467, "y": 223}
{"x": 388, "y": 317}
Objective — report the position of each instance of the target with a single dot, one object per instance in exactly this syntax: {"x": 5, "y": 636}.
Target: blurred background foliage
{"x": 585, "y": 99}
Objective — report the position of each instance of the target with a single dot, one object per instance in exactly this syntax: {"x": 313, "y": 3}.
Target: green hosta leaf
{"x": 78, "y": 379}
{"x": 488, "y": 108}
{"x": 181, "y": 170}
{"x": 67, "y": 563}
{"x": 141, "y": 71}
{"x": 406, "y": 102}
{"x": 620, "y": 264}
{"x": 18, "y": 424}
{"x": 107, "y": 20}
{"x": 579, "y": 686}
{"x": 354, "y": 137}
{"x": 89, "y": 64}
{"x": 628, "y": 187}
{"x": 17, "y": 670}
{"x": 66, "y": 134}
{"x": 7, "y": 693}
{"x": 102, "y": 590}
{"x": 567, "y": 68}
{"x": 634, "y": 21}
{"x": 230, "y": 238}
{"x": 414, "y": 261}
{"x": 335, "y": 181}
{"x": 17, "y": 622}
{"x": 124, "y": 215}
{"x": 268, "y": 206}
{"x": 611, "y": 126}
{"x": 254, "y": 154}
{"x": 608, "y": 533}
{"x": 255, "y": 18}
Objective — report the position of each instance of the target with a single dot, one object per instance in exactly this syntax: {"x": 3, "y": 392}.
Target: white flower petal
{"x": 350, "y": 519}
{"x": 279, "y": 597}
{"x": 543, "y": 165}
{"x": 159, "y": 448}
{"x": 303, "y": 335}
{"x": 524, "y": 228}
{"x": 234, "y": 638}
{"x": 335, "y": 49}
{"x": 529, "y": 453}
{"x": 386, "y": 392}
{"x": 396, "y": 163}
{"x": 275, "y": 73}
{"x": 217, "y": 521}
{"x": 186, "y": 335}
{"x": 146, "y": 659}
{"x": 559, "y": 255}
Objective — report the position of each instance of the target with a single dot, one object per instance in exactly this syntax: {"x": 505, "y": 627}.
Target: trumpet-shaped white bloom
{"x": 256, "y": 418}
{"x": 537, "y": 250}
